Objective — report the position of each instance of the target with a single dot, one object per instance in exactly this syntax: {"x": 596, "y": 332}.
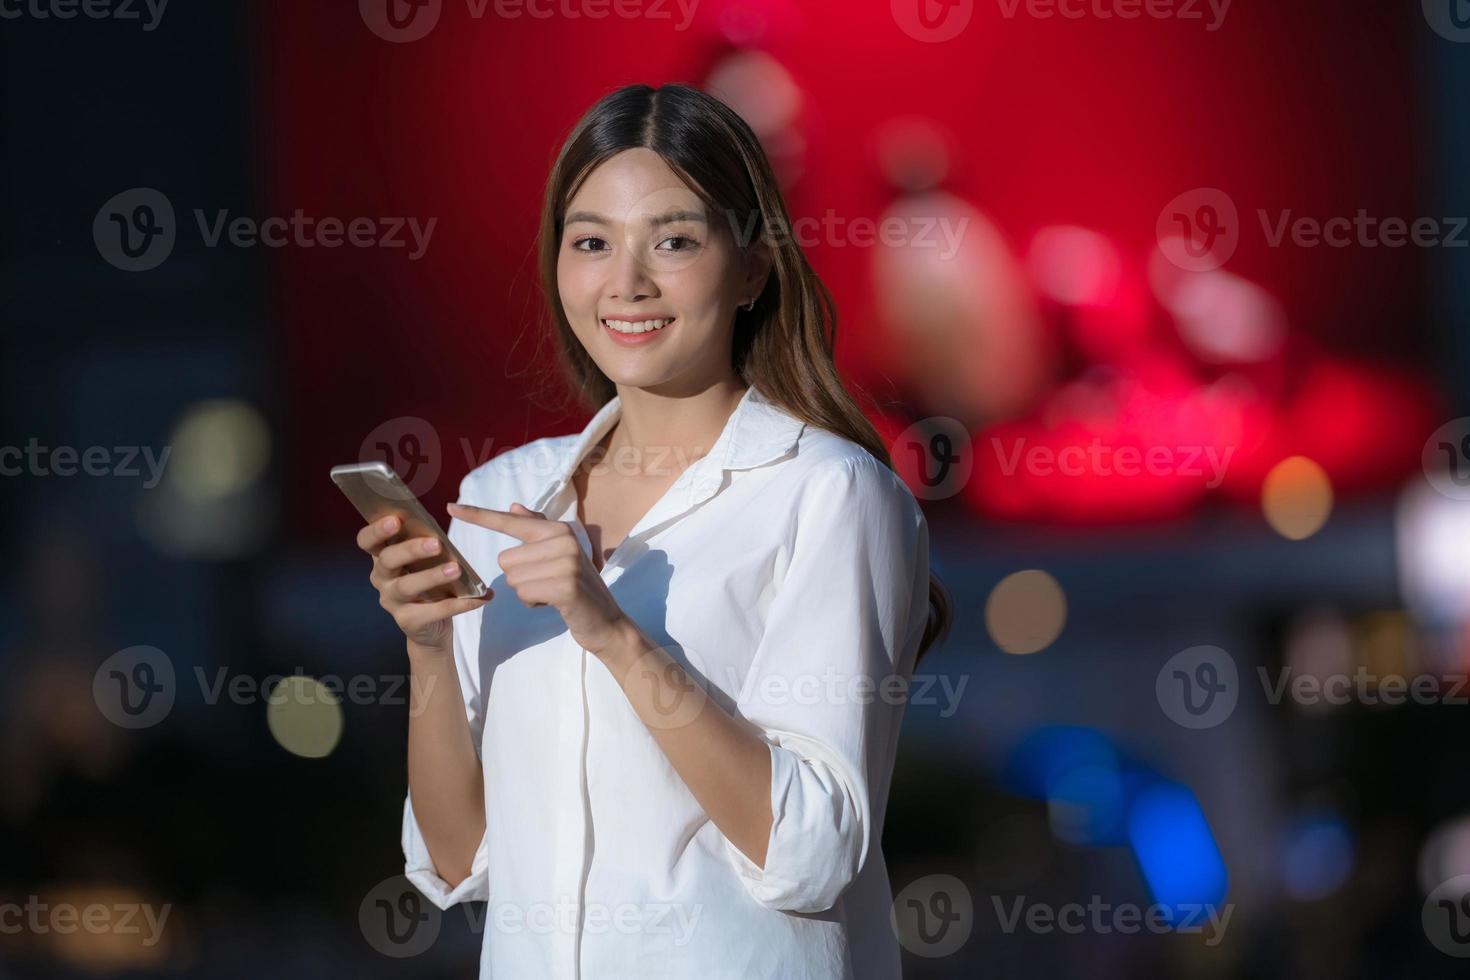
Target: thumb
{"x": 525, "y": 511}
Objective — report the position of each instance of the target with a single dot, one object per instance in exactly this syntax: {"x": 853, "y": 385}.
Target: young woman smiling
{"x": 662, "y": 746}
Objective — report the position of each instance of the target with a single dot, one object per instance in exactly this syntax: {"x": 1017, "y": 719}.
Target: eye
{"x": 585, "y": 239}
{"x": 688, "y": 243}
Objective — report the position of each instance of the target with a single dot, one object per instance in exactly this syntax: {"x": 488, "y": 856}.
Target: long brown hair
{"x": 783, "y": 346}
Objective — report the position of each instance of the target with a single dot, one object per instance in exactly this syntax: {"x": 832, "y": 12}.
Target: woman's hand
{"x": 550, "y": 568}
{"x": 425, "y": 622}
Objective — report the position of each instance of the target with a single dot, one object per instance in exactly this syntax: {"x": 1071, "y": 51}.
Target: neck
{"x": 688, "y": 423}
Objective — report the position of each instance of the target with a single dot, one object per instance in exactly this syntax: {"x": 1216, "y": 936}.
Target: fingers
{"x": 374, "y": 536}
{"x": 556, "y": 546}
{"x": 407, "y": 588}
{"x": 416, "y": 616}
{"x": 395, "y": 556}
{"x": 530, "y": 526}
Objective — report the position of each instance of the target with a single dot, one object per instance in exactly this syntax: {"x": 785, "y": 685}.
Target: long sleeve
{"x": 826, "y": 685}
{"x": 418, "y": 865}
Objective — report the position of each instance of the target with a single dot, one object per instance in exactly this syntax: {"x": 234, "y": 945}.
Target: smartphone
{"x": 376, "y": 491}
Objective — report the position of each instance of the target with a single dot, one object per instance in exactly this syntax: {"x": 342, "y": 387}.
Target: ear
{"x": 758, "y": 261}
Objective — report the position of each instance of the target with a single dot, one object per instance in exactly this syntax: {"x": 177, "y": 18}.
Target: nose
{"x": 628, "y": 277}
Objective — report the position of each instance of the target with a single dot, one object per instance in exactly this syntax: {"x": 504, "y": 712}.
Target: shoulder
{"x": 837, "y": 473}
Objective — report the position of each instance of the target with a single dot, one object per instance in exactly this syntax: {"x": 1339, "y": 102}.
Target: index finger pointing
{"x": 516, "y": 525}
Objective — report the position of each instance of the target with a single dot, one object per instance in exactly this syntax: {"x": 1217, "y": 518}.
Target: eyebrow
{"x": 667, "y": 218}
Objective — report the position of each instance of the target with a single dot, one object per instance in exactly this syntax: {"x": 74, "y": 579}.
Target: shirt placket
{"x": 572, "y": 818}
{"x": 568, "y": 816}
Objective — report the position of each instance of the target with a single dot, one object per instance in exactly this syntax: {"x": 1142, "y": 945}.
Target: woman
{"x": 662, "y": 746}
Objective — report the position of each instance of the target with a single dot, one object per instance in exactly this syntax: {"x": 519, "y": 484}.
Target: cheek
{"x": 703, "y": 285}
{"x": 575, "y": 286}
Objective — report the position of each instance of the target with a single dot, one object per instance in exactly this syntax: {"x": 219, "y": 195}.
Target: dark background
{"x": 1063, "y": 139}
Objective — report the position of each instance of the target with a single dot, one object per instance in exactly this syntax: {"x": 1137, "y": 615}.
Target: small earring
{"x": 748, "y": 306}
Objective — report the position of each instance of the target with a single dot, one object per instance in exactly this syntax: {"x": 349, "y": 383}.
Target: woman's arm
{"x": 444, "y": 777}
{"x": 725, "y": 764}
{"x": 443, "y": 767}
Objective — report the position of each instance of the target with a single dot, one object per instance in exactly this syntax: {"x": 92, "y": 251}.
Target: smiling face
{"x": 649, "y": 279}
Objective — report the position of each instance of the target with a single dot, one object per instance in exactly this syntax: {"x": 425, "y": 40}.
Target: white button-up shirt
{"x": 787, "y": 570}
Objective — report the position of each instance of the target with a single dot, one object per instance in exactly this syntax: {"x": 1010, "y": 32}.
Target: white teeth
{"x": 627, "y": 326}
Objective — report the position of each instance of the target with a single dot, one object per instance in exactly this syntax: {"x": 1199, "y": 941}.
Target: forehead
{"x": 633, "y": 185}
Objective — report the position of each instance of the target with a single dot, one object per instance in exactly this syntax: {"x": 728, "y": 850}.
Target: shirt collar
{"x": 757, "y": 432}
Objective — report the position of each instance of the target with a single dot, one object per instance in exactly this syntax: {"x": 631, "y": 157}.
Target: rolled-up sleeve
{"x": 826, "y": 683}
{"x": 418, "y": 865}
